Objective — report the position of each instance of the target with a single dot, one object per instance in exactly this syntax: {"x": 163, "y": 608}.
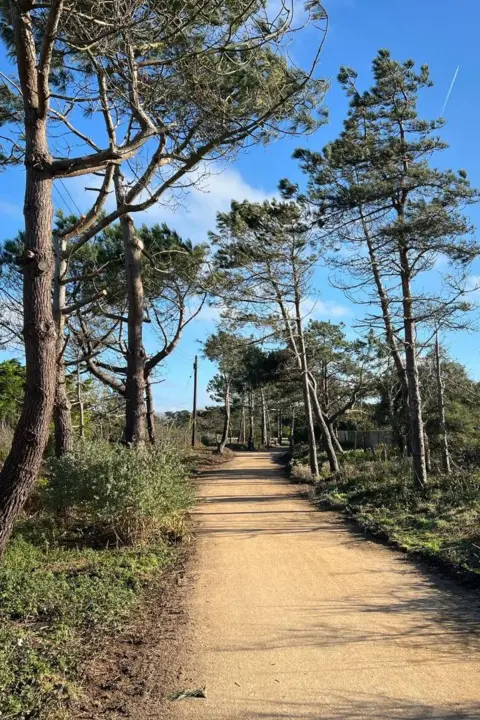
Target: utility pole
{"x": 194, "y": 414}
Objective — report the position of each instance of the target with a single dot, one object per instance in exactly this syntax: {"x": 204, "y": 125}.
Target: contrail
{"x": 450, "y": 89}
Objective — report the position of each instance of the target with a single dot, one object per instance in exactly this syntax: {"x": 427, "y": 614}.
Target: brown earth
{"x": 294, "y": 615}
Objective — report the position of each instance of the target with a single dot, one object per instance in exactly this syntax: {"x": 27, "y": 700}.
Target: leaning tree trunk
{"x": 150, "y": 410}
{"x": 23, "y": 462}
{"x": 389, "y": 333}
{"x": 333, "y": 435}
{"x": 327, "y": 438}
{"x": 226, "y": 422}
{"x": 135, "y": 381}
{"x": 413, "y": 379}
{"x": 62, "y": 413}
{"x": 441, "y": 410}
{"x": 312, "y": 443}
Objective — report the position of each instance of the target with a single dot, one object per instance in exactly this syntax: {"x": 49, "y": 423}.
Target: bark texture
{"x": 326, "y": 436}
{"x": 150, "y": 411}
{"x": 23, "y": 462}
{"x": 226, "y": 420}
{"x": 135, "y": 421}
{"x": 62, "y": 411}
{"x": 251, "y": 420}
{"x": 413, "y": 378}
{"x": 265, "y": 438}
{"x": 241, "y": 433}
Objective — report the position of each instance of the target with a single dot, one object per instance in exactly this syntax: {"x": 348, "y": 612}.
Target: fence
{"x": 357, "y": 439}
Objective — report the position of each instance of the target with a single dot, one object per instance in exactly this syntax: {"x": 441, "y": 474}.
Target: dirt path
{"x": 294, "y": 616}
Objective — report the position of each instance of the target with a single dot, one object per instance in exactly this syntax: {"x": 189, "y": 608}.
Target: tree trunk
{"x": 446, "y": 464}
{"x": 389, "y": 330}
{"x": 327, "y": 438}
{"x": 335, "y": 440}
{"x": 150, "y": 411}
{"x": 81, "y": 408}
{"x": 312, "y": 443}
{"x": 251, "y": 433}
{"x": 242, "y": 433}
{"x": 292, "y": 430}
{"x": 413, "y": 380}
{"x": 265, "y": 438}
{"x": 398, "y": 425}
{"x": 23, "y": 461}
{"x": 385, "y": 307}
{"x": 62, "y": 413}
{"x": 297, "y": 345}
{"x": 428, "y": 457}
{"x": 135, "y": 381}
{"x": 226, "y": 423}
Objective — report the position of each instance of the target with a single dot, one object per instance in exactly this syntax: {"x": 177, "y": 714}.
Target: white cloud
{"x": 209, "y": 314}
{"x": 316, "y": 309}
{"x": 195, "y": 213}
{"x": 191, "y": 212}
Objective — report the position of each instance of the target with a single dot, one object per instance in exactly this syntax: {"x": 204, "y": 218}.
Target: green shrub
{"x": 300, "y": 473}
{"x": 6, "y": 436}
{"x": 132, "y": 496}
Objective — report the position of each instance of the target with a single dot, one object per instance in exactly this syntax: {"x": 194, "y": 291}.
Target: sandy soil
{"x": 293, "y": 615}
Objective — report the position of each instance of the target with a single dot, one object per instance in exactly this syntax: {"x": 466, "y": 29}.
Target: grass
{"x": 64, "y": 588}
{"x": 53, "y": 601}
{"x": 440, "y": 523}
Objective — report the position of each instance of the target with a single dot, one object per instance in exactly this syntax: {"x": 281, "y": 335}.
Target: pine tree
{"x": 376, "y": 189}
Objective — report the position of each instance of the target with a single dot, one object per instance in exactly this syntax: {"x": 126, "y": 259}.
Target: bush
{"x": 132, "y": 496}
{"x": 300, "y": 473}
{"x": 64, "y": 584}
{"x": 6, "y": 436}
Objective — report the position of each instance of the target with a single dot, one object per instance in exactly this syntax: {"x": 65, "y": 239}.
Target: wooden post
{"x": 194, "y": 413}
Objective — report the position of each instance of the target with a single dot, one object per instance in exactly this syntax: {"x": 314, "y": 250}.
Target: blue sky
{"x": 437, "y": 33}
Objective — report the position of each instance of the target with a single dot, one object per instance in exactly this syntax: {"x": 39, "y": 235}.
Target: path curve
{"x": 295, "y": 616}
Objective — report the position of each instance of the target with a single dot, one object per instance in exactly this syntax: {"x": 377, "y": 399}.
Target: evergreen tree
{"x": 267, "y": 260}
{"x": 375, "y": 188}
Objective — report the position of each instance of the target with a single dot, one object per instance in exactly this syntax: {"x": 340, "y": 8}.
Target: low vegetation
{"x": 439, "y": 522}
{"x": 101, "y": 528}
{"x": 375, "y": 213}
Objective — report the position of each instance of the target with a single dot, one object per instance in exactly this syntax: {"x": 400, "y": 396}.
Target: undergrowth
{"x": 440, "y": 521}
{"x": 71, "y": 576}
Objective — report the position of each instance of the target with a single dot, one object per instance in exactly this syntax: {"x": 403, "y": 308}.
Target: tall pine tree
{"x": 376, "y": 189}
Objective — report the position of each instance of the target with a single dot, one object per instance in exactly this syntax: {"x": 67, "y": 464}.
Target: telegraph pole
{"x": 194, "y": 414}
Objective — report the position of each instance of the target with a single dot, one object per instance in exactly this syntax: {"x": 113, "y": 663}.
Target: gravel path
{"x": 295, "y": 616}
